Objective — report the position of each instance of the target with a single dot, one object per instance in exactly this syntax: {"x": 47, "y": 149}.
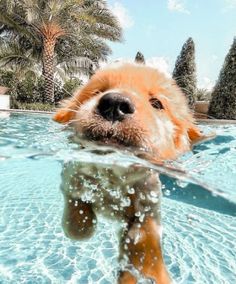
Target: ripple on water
{"x": 199, "y": 244}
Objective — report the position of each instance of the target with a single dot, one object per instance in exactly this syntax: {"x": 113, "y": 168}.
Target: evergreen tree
{"x": 223, "y": 101}
{"x": 139, "y": 58}
{"x": 185, "y": 71}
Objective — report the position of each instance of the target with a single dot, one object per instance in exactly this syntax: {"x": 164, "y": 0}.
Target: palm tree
{"x": 75, "y": 30}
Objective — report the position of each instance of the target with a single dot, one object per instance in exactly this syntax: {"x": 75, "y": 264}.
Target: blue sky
{"x": 158, "y": 28}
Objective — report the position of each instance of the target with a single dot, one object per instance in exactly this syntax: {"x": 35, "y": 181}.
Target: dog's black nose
{"x": 115, "y": 107}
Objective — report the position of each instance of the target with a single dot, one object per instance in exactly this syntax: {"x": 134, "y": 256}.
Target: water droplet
{"x": 153, "y": 193}
{"x": 127, "y": 240}
{"x": 192, "y": 217}
{"x": 167, "y": 192}
{"x": 141, "y": 218}
{"x": 181, "y": 183}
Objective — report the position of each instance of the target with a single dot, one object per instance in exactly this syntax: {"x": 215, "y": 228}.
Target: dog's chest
{"x": 110, "y": 189}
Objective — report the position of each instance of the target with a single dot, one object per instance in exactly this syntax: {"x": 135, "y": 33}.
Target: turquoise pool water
{"x": 199, "y": 226}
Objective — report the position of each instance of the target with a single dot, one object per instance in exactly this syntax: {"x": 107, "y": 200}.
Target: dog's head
{"x": 133, "y": 105}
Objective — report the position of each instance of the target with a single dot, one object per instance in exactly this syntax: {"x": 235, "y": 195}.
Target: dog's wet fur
{"x": 127, "y": 105}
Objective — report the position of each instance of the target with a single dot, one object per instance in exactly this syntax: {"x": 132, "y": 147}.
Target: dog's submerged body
{"x": 112, "y": 189}
{"x": 133, "y": 106}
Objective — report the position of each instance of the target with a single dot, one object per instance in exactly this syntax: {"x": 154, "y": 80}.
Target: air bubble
{"x": 142, "y": 196}
{"x": 127, "y": 240}
{"x": 125, "y": 202}
{"x": 147, "y": 208}
{"x": 131, "y": 190}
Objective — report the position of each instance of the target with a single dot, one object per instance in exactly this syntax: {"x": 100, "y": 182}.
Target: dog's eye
{"x": 156, "y": 103}
{"x": 96, "y": 92}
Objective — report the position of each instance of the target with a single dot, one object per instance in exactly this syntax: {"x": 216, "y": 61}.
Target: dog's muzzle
{"x": 115, "y": 107}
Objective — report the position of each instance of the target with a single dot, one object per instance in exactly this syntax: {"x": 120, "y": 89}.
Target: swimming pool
{"x": 199, "y": 227}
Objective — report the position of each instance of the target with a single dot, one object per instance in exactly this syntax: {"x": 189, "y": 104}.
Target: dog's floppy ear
{"x": 196, "y": 136}
{"x": 66, "y": 113}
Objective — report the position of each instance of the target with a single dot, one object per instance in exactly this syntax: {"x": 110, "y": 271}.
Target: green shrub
{"x": 71, "y": 85}
{"x": 7, "y": 78}
{"x": 67, "y": 90}
{"x": 26, "y": 91}
{"x": 203, "y": 95}
{"x": 34, "y": 106}
{"x": 29, "y": 92}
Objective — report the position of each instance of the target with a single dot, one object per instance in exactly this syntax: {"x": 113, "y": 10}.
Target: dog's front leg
{"x": 141, "y": 242}
{"x": 142, "y": 248}
{"x": 79, "y": 219}
{"x": 143, "y": 251}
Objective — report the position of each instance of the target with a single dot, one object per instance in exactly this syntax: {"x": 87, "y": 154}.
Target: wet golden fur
{"x": 165, "y": 130}
{"x": 140, "y": 84}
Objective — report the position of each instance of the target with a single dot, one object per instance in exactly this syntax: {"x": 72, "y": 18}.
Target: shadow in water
{"x": 196, "y": 195}
{"x": 218, "y": 140}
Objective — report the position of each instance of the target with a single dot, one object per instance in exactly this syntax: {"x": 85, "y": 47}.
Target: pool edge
{"x": 200, "y": 120}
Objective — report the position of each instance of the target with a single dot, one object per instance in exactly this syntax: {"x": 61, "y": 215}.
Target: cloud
{"x": 122, "y": 14}
{"x": 160, "y": 63}
{"x": 206, "y": 83}
{"x": 229, "y": 5}
{"x": 177, "y": 6}
{"x": 214, "y": 57}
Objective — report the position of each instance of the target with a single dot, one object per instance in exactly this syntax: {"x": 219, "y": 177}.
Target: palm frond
{"x": 76, "y": 66}
{"x": 12, "y": 55}
{"x": 79, "y": 30}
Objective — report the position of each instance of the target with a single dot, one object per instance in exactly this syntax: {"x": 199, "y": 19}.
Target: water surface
{"x": 199, "y": 227}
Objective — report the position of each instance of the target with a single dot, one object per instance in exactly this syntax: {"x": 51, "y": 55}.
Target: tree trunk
{"x": 48, "y": 69}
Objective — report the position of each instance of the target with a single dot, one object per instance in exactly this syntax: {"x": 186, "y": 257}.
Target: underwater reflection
{"x": 96, "y": 181}
{"x": 130, "y": 194}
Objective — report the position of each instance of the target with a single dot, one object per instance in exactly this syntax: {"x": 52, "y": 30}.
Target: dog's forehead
{"x": 132, "y": 76}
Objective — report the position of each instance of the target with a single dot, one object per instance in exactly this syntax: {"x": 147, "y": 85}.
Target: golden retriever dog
{"x": 128, "y": 105}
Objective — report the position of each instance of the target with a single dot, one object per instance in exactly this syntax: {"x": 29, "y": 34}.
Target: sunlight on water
{"x": 199, "y": 221}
